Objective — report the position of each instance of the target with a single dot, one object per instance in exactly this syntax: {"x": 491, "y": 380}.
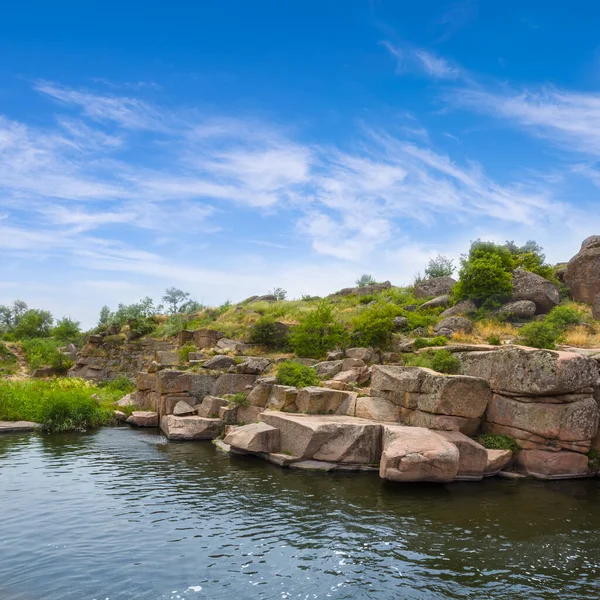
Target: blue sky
{"x": 230, "y": 147}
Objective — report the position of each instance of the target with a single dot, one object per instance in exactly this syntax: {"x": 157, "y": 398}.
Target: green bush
{"x": 539, "y": 334}
{"x": 296, "y": 374}
{"x": 269, "y": 333}
{"x": 561, "y": 317}
{"x": 67, "y": 331}
{"x": 484, "y": 278}
{"x": 494, "y": 340}
{"x": 184, "y": 352}
{"x": 318, "y": 332}
{"x": 439, "y": 340}
{"x": 440, "y": 266}
{"x": 43, "y": 352}
{"x": 444, "y": 361}
{"x": 59, "y": 405}
{"x": 239, "y": 399}
{"x": 375, "y": 325}
{"x": 498, "y": 442}
{"x": 119, "y": 386}
{"x": 8, "y": 361}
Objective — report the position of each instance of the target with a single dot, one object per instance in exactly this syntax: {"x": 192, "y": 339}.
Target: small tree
{"x": 105, "y": 317}
{"x": 440, "y": 266}
{"x": 279, "y": 293}
{"x": 318, "y": 332}
{"x": 486, "y": 273}
{"x": 34, "y": 323}
{"x": 67, "y": 330}
{"x": 174, "y": 297}
{"x": 365, "y": 280}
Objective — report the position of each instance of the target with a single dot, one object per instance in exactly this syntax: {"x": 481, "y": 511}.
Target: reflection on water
{"x": 123, "y": 514}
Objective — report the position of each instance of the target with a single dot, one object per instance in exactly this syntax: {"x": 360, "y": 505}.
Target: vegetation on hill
{"x": 60, "y": 404}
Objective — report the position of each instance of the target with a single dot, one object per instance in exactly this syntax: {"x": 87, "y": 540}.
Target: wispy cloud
{"x": 570, "y": 119}
{"x": 417, "y": 60}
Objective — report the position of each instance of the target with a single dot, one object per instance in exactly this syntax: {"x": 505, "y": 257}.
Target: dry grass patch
{"x": 582, "y": 337}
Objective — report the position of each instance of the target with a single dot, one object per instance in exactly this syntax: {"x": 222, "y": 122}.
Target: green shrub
{"x": 59, "y": 405}
{"x": 119, "y": 385}
{"x": 539, "y": 334}
{"x": 375, "y": 325}
{"x": 482, "y": 279}
{"x": 184, "y": 352}
{"x": 296, "y": 374}
{"x": 269, "y": 333}
{"x": 444, "y": 361}
{"x": 494, "y": 339}
{"x": 365, "y": 280}
{"x": 439, "y": 340}
{"x": 43, "y": 352}
{"x": 561, "y": 317}
{"x": 67, "y": 331}
{"x": 239, "y": 399}
{"x": 318, "y": 332}
{"x": 423, "y": 359}
{"x": 498, "y": 442}
{"x": 8, "y": 361}
{"x": 440, "y": 266}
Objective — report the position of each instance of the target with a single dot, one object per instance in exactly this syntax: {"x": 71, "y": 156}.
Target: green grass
{"x": 43, "y": 352}
{"x": 8, "y": 361}
{"x": 498, "y": 442}
{"x": 59, "y": 405}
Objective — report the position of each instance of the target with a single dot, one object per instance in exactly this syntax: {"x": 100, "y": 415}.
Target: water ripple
{"x": 123, "y": 514}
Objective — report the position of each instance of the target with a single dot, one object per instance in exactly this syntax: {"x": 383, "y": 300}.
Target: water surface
{"x": 122, "y": 514}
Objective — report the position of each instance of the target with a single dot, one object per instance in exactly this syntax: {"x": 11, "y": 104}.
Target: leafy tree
{"x": 174, "y": 297}
{"x": 365, "y": 280}
{"x": 486, "y": 273}
{"x": 440, "y": 266}
{"x": 318, "y": 332}
{"x": 67, "y": 330}
{"x": 105, "y": 316}
{"x": 189, "y": 307}
{"x": 33, "y": 323}
{"x": 530, "y": 257}
{"x": 279, "y": 293}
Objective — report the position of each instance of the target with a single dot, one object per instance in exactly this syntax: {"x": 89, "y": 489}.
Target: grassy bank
{"x": 60, "y": 404}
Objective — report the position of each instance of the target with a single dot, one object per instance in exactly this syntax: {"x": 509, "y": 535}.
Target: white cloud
{"x": 571, "y": 119}
{"x": 410, "y": 59}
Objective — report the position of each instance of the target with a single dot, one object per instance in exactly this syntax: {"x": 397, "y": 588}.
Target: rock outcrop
{"x": 582, "y": 274}
{"x": 431, "y": 288}
{"x": 425, "y": 398}
{"x": 545, "y": 400}
{"x": 530, "y": 286}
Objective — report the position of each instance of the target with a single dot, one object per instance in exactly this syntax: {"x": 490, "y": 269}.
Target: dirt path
{"x": 22, "y": 370}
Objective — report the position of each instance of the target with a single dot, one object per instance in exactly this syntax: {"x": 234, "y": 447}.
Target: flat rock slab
{"x": 314, "y": 465}
{"x": 143, "y": 418}
{"x": 18, "y": 426}
{"x": 191, "y": 428}
{"x": 328, "y": 438}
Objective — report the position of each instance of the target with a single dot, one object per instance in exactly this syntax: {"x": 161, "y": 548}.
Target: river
{"x": 124, "y": 514}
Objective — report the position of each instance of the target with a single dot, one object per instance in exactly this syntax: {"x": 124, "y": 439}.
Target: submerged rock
{"x": 143, "y": 418}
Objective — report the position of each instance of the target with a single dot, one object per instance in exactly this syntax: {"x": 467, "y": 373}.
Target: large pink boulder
{"x": 543, "y": 464}
{"x": 582, "y": 274}
{"x": 417, "y": 454}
